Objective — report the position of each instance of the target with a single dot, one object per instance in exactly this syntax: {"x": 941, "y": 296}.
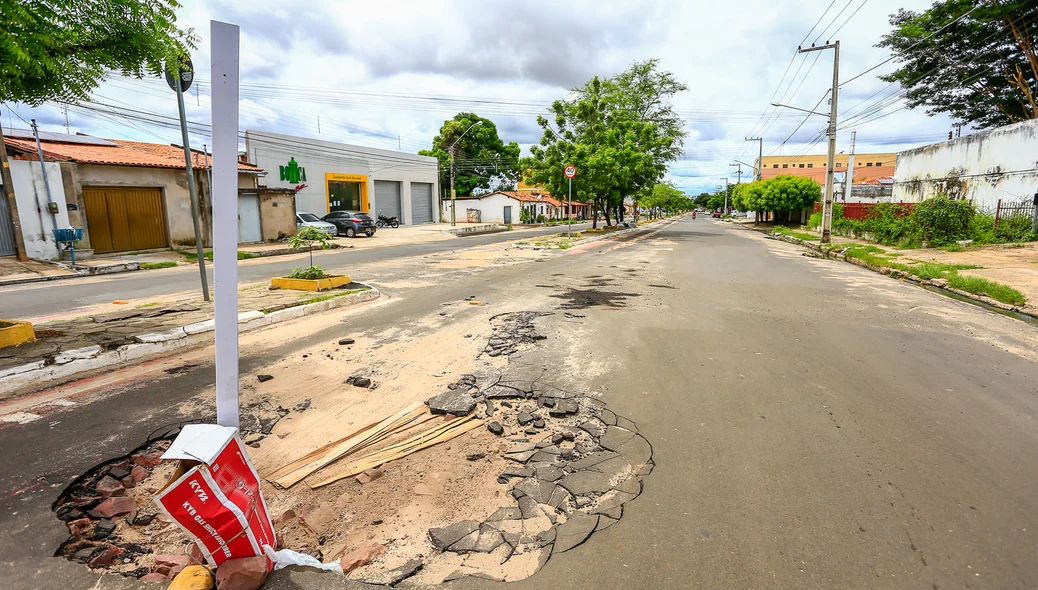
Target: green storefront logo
{"x": 293, "y": 172}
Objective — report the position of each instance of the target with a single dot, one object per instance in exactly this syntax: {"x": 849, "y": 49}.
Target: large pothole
{"x": 549, "y": 469}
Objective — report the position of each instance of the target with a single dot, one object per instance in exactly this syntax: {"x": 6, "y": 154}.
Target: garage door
{"x": 125, "y": 218}
{"x": 6, "y": 228}
{"x": 387, "y": 199}
{"x": 421, "y": 202}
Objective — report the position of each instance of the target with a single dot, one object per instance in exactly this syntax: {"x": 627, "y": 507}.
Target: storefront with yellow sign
{"x": 328, "y": 176}
{"x": 346, "y": 192}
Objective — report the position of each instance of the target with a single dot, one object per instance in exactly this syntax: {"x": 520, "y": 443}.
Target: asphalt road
{"x": 45, "y": 298}
{"x": 814, "y": 425}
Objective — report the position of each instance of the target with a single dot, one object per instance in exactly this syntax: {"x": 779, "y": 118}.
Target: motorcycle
{"x": 386, "y": 221}
{"x": 693, "y": 215}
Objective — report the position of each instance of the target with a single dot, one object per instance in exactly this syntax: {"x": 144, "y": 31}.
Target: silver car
{"x": 311, "y": 220}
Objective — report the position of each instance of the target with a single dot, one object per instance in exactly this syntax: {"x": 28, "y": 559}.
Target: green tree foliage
{"x": 716, "y": 201}
{"x": 782, "y": 193}
{"x": 702, "y": 199}
{"x": 982, "y": 69}
{"x": 482, "y": 161}
{"x": 61, "y": 49}
{"x": 664, "y": 198}
{"x": 619, "y": 132}
{"x": 308, "y": 236}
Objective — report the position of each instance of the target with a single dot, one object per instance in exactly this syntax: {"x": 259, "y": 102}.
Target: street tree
{"x": 62, "y": 50}
{"x": 619, "y": 132}
{"x": 702, "y": 199}
{"x": 482, "y": 161}
{"x": 787, "y": 193}
{"x": 981, "y": 69}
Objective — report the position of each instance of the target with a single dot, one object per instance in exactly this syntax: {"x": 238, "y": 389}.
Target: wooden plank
{"x": 424, "y": 440}
{"x": 297, "y": 470}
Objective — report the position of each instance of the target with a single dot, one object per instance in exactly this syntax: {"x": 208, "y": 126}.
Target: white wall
{"x": 492, "y": 208}
{"x": 270, "y": 151}
{"x": 31, "y": 196}
{"x": 983, "y": 167}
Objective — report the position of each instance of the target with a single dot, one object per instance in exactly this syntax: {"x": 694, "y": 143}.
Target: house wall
{"x": 492, "y": 208}
{"x": 277, "y": 214}
{"x": 319, "y": 158}
{"x": 983, "y": 167}
{"x": 31, "y": 196}
{"x": 173, "y": 182}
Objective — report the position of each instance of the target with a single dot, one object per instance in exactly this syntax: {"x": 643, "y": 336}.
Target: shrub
{"x": 311, "y": 273}
{"x": 1014, "y": 229}
{"x": 942, "y": 221}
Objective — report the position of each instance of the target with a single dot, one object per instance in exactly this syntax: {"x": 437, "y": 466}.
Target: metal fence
{"x": 1006, "y": 211}
{"x": 861, "y": 211}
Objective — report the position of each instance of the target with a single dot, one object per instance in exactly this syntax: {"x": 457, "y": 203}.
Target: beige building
{"x": 866, "y": 166}
{"x": 129, "y": 196}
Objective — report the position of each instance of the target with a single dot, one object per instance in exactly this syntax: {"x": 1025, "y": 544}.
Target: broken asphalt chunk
{"x": 444, "y": 537}
{"x": 496, "y": 428}
{"x": 346, "y": 341}
{"x": 263, "y": 378}
{"x": 574, "y": 531}
{"x": 456, "y": 402}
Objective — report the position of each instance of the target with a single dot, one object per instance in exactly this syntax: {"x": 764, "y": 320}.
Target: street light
{"x": 450, "y": 150}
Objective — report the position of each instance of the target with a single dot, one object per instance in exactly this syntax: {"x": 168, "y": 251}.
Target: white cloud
{"x": 305, "y": 61}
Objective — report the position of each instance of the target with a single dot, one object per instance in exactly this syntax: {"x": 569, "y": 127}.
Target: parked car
{"x": 311, "y": 220}
{"x": 716, "y": 214}
{"x": 351, "y": 223}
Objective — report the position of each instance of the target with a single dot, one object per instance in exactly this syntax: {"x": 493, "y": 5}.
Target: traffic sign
{"x": 571, "y": 171}
{"x": 187, "y": 75}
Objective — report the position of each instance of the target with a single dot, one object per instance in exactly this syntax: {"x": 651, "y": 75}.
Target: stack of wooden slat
{"x": 365, "y": 439}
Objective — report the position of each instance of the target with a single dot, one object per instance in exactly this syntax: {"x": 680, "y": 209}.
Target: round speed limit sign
{"x": 571, "y": 171}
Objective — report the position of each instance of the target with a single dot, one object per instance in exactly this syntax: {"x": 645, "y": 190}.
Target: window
{"x": 785, "y": 165}
{"x": 810, "y": 165}
{"x": 869, "y": 164}
{"x": 879, "y": 163}
{"x": 774, "y": 165}
{"x": 801, "y": 165}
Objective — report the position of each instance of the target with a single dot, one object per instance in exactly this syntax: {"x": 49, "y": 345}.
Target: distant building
{"x": 866, "y": 166}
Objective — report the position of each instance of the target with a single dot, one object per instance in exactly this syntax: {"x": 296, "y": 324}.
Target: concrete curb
{"x": 941, "y": 284}
{"x": 68, "y": 364}
{"x": 473, "y": 230}
{"x": 90, "y": 271}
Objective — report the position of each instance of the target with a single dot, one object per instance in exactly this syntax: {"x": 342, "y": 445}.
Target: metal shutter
{"x": 387, "y": 199}
{"x": 125, "y": 218}
{"x": 7, "y": 246}
{"x": 421, "y": 202}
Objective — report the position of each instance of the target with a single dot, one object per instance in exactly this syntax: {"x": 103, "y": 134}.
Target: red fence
{"x": 860, "y": 211}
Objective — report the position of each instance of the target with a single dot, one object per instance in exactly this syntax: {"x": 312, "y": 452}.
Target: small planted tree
{"x": 308, "y": 236}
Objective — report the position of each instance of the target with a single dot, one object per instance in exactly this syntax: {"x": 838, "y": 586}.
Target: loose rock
{"x": 454, "y": 402}
{"x": 245, "y": 573}
{"x": 346, "y": 341}
{"x": 361, "y": 556}
{"x": 496, "y": 428}
{"x": 264, "y": 378}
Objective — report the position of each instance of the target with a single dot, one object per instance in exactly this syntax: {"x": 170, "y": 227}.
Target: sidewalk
{"x": 1013, "y": 264}
{"x": 140, "y": 329}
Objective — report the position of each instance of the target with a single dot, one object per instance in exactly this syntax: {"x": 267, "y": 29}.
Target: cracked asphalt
{"x": 814, "y": 425}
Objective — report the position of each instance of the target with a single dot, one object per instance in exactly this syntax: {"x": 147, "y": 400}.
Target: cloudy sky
{"x": 386, "y": 74}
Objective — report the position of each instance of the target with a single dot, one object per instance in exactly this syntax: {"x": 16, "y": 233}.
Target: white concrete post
{"x": 224, "y": 76}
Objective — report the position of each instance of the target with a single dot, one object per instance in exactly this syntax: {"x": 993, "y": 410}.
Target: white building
{"x": 333, "y": 176}
{"x": 506, "y": 207}
{"x": 984, "y": 167}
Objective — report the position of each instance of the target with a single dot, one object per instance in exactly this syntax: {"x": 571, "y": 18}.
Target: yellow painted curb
{"x": 329, "y": 282}
{"x": 13, "y": 333}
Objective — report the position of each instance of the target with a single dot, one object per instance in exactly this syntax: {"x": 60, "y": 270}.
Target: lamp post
{"x": 450, "y": 150}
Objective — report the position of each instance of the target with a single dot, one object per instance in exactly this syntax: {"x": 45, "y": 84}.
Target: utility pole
{"x": 450, "y": 150}
{"x": 177, "y": 80}
{"x": 958, "y": 129}
{"x": 759, "y": 168}
{"x": 827, "y": 204}
{"x": 848, "y": 185}
{"x": 52, "y": 207}
{"x": 739, "y": 166}
{"x": 725, "y": 210}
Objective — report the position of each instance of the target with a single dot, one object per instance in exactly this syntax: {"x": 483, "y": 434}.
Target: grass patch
{"x": 982, "y": 286}
{"x": 952, "y": 248}
{"x": 936, "y": 270}
{"x": 151, "y": 265}
{"x": 785, "y": 231}
{"x": 152, "y": 304}
{"x": 260, "y": 286}
{"x": 327, "y": 296}
{"x": 192, "y": 256}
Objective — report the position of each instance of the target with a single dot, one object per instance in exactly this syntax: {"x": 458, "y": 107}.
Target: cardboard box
{"x": 214, "y": 494}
